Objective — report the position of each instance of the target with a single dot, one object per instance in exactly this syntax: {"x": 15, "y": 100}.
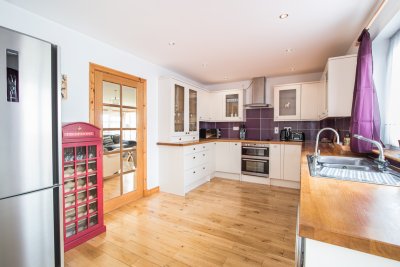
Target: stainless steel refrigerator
{"x": 30, "y": 225}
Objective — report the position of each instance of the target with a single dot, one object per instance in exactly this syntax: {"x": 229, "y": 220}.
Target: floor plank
{"x": 221, "y": 223}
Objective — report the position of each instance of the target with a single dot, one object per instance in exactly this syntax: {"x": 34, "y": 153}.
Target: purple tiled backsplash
{"x": 260, "y": 126}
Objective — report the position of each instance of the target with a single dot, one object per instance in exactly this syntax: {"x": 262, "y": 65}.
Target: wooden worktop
{"x": 390, "y": 154}
{"x": 203, "y": 141}
{"x": 359, "y": 216}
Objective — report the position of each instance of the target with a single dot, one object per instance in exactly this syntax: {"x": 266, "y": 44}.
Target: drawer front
{"x": 196, "y": 159}
{"x": 196, "y": 148}
{"x": 192, "y": 175}
{"x": 205, "y": 169}
{"x": 192, "y": 160}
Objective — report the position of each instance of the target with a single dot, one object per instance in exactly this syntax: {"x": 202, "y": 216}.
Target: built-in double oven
{"x": 255, "y": 159}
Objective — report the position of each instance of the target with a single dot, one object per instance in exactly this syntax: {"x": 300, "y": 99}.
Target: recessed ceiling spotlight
{"x": 292, "y": 68}
{"x": 289, "y": 50}
{"x": 284, "y": 16}
{"x": 204, "y": 65}
{"x": 225, "y": 77}
{"x": 172, "y": 43}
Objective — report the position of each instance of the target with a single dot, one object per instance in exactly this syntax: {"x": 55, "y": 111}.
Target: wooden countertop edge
{"x": 369, "y": 246}
{"x": 389, "y": 154}
{"x": 192, "y": 143}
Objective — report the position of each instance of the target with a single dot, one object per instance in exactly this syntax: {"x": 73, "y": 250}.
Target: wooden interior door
{"x": 117, "y": 106}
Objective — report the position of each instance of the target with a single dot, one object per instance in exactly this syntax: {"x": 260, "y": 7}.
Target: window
{"x": 390, "y": 96}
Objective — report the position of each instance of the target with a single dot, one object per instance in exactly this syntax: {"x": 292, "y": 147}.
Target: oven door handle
{"x": 256, "y": 160}
{"x": 253, "y": 147}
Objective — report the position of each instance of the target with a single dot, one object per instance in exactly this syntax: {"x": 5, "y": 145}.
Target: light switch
{"x": 236, "y": 128}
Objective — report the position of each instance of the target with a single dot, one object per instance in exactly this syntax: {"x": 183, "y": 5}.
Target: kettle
{"x": 285, "y": 134}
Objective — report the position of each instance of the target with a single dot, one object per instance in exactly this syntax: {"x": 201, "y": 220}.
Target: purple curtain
{"x": 365, "y": 118}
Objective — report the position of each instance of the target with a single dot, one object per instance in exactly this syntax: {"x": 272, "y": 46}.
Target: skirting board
{"x": 255, "y": 179}
{"x": 227, "y": 175}
{"x": 152, "y": 191}
{"x": 196, "y": 184}
{"x": 285, "y": 183}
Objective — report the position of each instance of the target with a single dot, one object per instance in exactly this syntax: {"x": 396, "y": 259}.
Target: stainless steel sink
{"x": 349, "y": 163}
{"x": 352, "y": 169}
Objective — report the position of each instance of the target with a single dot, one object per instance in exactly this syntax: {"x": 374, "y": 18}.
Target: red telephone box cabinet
{"x": 82, "y": 183}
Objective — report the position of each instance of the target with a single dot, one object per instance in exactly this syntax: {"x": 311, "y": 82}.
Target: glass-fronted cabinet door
{"x": 232, "y": 109}
{"x": 232, "y": 105}
{"x": 192, "y": 110}
{"x": 179, "y": 109}
{"x": 287, "y": 102}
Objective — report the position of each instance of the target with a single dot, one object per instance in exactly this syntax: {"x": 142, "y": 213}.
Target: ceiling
{"x": 218, "y": 41}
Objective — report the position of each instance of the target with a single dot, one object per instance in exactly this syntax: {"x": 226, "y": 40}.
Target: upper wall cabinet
{"x": 204, "y": 107}
{"x": 287, "y": 102}
{"x": 310, "y": 101}
{"x": 338, "y": 79}
{"x": 298, "y": 101}
{"x": 232, "y": 105}
{"x": 219, "y": 106}
{"x": 177, "y": 111}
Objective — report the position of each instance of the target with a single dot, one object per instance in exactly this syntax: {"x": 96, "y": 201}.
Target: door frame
{"x": 95, "y": 104}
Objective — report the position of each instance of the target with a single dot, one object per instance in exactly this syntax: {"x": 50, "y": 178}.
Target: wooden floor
{"x": 222, "y": 223}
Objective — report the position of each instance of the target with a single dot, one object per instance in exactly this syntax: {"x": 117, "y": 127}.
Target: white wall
{"x": 77, "y": 50}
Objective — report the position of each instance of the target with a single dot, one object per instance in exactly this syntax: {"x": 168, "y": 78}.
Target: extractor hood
{"x": 256, "y": 94}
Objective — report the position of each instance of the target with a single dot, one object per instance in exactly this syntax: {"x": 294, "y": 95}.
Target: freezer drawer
{"x": 27, "y": 233}
{"x": 27, "y": 130}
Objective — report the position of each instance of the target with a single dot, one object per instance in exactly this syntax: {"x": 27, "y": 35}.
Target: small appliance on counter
{"x": 213, "y": 133}
{"x": 297, "y": 136}
{"x": 242, "y": 132}
{"x": 285, "y": 134}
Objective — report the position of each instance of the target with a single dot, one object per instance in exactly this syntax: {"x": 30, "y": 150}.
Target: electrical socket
{"x": 236, "y": 128}
{"x": 276, "y": 130}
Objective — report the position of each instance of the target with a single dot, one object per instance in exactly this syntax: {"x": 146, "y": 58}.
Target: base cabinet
{"x": 284, "y": 163}
{"x": 228, "y": 157}
{"x": 183, "y": 168}
{"x": 318, "y": 254}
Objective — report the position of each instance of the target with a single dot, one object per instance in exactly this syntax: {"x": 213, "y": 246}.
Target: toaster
{"x": 297, "y": 136}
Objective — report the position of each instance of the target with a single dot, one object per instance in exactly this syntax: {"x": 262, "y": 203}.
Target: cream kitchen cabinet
{"x": 177, "y": 116}
{"x": 232, "y": 106}
{"x": 299, "y": 101}
{"x": 339, "y": 78}
{"x": 183, "y": 168}
{"x": 228, "y": 157}
{"x": 205, "y": 105}
{"x": 310, "y": 101}
{"x": 227, "y": 105}
{"x": 275, "y": 161}
{"x": 284, "y": 162}
{"x": 287, "y": 100}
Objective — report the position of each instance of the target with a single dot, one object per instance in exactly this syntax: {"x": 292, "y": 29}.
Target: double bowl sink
{"x": 352, "y": 169}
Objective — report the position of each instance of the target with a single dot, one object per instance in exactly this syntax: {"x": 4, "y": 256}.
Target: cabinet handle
{"x": 194, "y": 148}
{"x": 204, "y": 147}
{"x": 194, "y": 157}
{"x": 194, "y": 171}
{"x": 235, "y": 144}
{"x": 180, "y": 139}
{"x": 194, "y": 137}
{"x": 204, "y": 155}
{"x": 204, "y": 168}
